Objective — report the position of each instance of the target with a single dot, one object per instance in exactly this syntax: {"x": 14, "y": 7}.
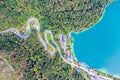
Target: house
{"x": 68, "y": 52}
{"x": 93, "y": 71}
{"x": 63, "y": 42}
{"x": 77, "y": 70}
{"x": 78, "y": 63}
{"x": 68, "y": 56}
{"x": 23, "y": 30}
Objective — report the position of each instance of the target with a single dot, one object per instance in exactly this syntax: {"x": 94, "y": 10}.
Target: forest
{"x": 27, "y": 56}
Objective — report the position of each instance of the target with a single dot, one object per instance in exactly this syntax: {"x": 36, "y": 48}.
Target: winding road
{"x": 46, "y": 39}
{"x": 46, "y": 44}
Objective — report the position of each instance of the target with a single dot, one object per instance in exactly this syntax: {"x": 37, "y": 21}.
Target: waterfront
{"x": 99, "y": 46}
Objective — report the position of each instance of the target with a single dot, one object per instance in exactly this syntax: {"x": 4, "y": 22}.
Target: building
{"x": 68, "y": 56}
{"x": 63, "y": 42}
{"x": 23, "y": 30}
{"x": 93, "y": 71}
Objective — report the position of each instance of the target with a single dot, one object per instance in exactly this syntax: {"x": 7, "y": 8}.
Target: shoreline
{"x": 74, "y": 56}
{"x": 107, "y": 72}
{"x": 72, "y": 46}
{"x": 88, "y": 28}
{"x": 95, "y": 22}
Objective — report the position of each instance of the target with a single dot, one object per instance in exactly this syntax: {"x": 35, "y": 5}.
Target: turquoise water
{"x": 99, "y": 46}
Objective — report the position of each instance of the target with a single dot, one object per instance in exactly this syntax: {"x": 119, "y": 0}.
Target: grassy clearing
{"x": 6, "y": 70}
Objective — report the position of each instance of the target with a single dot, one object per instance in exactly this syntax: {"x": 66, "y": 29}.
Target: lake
{"x": 99, "y": 46}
